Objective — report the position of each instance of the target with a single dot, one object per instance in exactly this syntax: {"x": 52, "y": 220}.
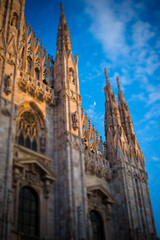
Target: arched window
{"x": 28, "y": 212}
{"x": 97, "y": 225}
{"x": 27, "y": 131}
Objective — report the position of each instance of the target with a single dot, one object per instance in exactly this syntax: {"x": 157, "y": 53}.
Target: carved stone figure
{"x": 71, "y": 76}
{"x": 14, "y": 21}
{"x": 8, "y": 84}
{"x": 75, "y": 120}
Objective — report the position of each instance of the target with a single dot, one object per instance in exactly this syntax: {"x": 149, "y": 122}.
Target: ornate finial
{"x": 90, "y": 123}
{"x": 62, "y": 9}
{"x": 77, "y": 58}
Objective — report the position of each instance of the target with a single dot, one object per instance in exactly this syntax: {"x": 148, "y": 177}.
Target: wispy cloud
{"x": 132, "y": 48}
{"x": 106, "y": 27}
{"x": 155, "y": 158}
{"x": 97, "y": 118}
{"x": 125, "y": 38}
{"x": 91, "y": 111}
{"x": 154, "y": 112}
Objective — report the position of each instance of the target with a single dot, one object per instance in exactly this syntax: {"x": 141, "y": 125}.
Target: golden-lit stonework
{"x": 58, "y": 179}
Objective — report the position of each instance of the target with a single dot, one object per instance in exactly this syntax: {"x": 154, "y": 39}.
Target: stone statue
{"x": 8, "y": 84}
{"x": 75, "y": 120}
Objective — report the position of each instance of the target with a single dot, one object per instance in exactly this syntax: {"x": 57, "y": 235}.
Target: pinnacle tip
{"x": 106, "y": 74}
{"x": 62, "y": 9}
{"x": 118, "y": 82}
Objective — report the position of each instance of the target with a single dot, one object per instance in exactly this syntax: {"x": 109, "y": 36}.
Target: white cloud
{"x": 108, "y": 29}
{"x": 155, "y": 158}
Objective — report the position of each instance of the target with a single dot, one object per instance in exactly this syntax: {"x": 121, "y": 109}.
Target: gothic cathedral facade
{"x": 58, "y": 180}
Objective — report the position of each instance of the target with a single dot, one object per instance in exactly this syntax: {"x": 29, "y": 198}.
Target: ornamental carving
{"x": 31, "y": 89}
{"x": 31, "y": 177}
{"x": 98, "y": 166}
{"x": 93, "y": 143}
{"x": 32, "y": 170}
{"x": 37, "y": 89}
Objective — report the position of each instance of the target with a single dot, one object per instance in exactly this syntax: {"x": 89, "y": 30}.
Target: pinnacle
{"x": 62, "y": 9}
{"x": 63, "y": 36}
{"x": 119, "y": 87}
{"x": 108, "y": 85}
{"x": 120, "y": 93}
{"x": 106, "y": 74}
{"x": 62, "y": 17}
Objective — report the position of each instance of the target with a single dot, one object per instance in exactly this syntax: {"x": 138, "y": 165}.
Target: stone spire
{"x": 125, "y": 113}
{"x": 108, "y": 85}
{"x": 112, "y": 121}
{"x": 127, "y": 123}
{"x": 112, "y": 117}
{"x": 63, "y": 36}
{"x": 120, "y": 93}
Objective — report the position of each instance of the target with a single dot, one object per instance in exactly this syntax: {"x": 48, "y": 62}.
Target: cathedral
{"x": 58, "y": 179}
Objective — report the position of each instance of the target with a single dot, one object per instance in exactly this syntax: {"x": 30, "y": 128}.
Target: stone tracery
{"x": 27, "y": 131}
{"x": 31, "y": 129}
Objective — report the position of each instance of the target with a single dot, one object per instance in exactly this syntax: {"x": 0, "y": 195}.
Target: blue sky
{"x": 122, "y": 35}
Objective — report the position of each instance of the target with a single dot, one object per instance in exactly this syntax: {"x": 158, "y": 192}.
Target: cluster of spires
{"x": 118, "y": 123}
{"x": 117, "y": 115}
{"x": 91, "y": 137}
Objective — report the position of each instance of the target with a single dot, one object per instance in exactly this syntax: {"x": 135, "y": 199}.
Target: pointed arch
{"x": 31, "y": 127}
